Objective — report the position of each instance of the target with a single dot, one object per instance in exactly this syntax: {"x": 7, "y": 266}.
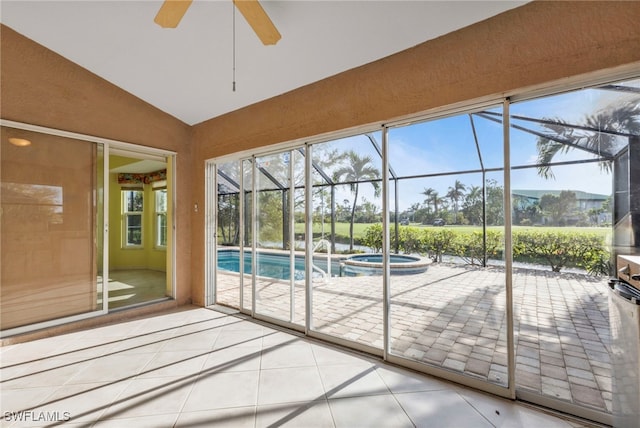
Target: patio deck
{"x": 453, "y": 316}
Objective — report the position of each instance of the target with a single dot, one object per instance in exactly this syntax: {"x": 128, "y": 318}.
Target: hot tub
{"x": 371, "y": 264}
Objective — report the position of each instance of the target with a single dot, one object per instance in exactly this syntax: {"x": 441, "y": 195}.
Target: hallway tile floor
{"x": 195, "y": 367}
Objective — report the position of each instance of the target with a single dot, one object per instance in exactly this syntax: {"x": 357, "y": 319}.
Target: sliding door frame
{"x": 108, "y": 146}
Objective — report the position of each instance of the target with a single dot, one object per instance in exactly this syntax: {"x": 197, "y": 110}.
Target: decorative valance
{"x": 150, "y": 177}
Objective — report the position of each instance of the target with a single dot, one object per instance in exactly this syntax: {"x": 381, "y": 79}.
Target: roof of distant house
{"x": 580, "y": 195}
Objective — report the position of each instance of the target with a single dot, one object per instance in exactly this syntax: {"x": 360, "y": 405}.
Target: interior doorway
{"x": 139, "y": 233}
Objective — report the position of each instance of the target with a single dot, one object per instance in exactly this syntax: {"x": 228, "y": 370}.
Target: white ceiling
{"x": 188, "y": 71}
{"x": 141, "y": 167}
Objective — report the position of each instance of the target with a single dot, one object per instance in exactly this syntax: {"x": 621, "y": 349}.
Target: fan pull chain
{"x": 234, "y": 44}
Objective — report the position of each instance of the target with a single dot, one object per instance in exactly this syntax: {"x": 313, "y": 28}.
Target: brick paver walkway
{"x": 454, "y": 317}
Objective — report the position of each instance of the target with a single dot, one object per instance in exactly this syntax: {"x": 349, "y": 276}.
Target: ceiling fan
{"x": 172, "y": 11}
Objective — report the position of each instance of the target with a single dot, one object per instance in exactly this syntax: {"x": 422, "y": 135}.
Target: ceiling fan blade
{"x": 171, "y": 12}
{"x": 259, "y": 21}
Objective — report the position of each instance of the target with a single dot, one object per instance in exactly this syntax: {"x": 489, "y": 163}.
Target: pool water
{"x": 377, "y": 258}
{"x": 275, "y": 265}
{"x": 270, "y": 265}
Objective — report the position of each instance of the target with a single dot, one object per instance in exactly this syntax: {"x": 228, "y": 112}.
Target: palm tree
{"x": 429, "y": 197}
{"x": 356, "y": 170}
{"x": 474, "y": 194}
{"x": 455, "y": 193}
{"x": 437, "y": 201}
{"x": 616, "y": 118}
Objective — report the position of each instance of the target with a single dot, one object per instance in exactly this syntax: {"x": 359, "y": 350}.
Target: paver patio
{"x": 454, "y": 316}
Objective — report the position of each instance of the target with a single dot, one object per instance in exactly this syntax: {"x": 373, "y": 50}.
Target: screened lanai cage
{"x": 447, "y": 182}
{"x": 400, "y": 241}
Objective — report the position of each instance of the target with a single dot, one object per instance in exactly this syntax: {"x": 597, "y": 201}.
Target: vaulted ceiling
{"x": 188, "y": 71}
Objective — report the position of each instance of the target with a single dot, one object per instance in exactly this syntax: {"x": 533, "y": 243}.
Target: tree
{"x": 525, "y": 211}
{"x": 437, "y": 202}
{"x": 367, "y": 212}
{"x": 270, "y": 217}
{"x": 472, "y": 205}
{"x": 356, "y": 170}
{"x": 494, "y": 203}
{"x": 429, "y": 193}
{"x": 455, "y": 193}
{"x": 618, "y": 118}
{"x": 228, "y": 221}
{"x": 414, "y": 208}
{"x": 558, "y": 207}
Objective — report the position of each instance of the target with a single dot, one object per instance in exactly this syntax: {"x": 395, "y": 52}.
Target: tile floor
{"x": 196, "y": 367}
{"x": 454, "y": 316}
{"x": 134, "y": 286}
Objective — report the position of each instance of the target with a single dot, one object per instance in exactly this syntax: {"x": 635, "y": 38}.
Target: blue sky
{"x": 447, "y": 145}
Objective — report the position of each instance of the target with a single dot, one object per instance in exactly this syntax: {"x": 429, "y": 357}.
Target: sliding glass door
{"x": 86, "y": 227}
{"x": 278, "y": 260}
{"x": 228, "y": 228}
{"x": 52, "y": 229}
{"x": 474, "y": 245}
{"x": 569, "y": 221}
{"x": 346, "y": 271}
{"x": 447, "y": 278}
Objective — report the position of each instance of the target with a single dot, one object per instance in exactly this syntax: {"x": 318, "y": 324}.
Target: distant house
{"x": 585, "y": 202}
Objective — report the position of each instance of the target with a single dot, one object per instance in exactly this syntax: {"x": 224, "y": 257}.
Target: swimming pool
{"x": 277, "y": 265}
{"x": 272, "y": 265}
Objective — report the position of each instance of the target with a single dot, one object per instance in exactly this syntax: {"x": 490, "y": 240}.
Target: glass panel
{"x": 133, "y": 203}
{"x": 133, "y": 229}
{"x": 247, "y": 286}
{"x": 134, "y": 200}
{"x": 565, "y": 150}
{"x": 299, "y": 233}
{"x": 228, "y": 278}
{"x": 440, "y": 144}
{"x": 273, "y": 262}
{"x": 447, "y": 278}
{"x": 487, "y": 125}
{"x": 161, "y": 231}
{"x": 347, "y": 209}
{"x": 161, "y": 217}
{"x": 50, "y": 196}
{"x": 99, "y": 226}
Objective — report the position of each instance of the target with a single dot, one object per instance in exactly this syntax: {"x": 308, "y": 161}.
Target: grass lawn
{"x": 359, "y": 228}
{"x": 341, "y": 228}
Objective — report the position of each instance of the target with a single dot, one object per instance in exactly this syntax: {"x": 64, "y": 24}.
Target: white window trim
{"x": 125, "y": 214}
{"x": 158, "y": 186}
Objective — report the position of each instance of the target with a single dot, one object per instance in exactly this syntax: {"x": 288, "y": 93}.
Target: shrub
{"x": 561, "y": 249}
{"x": 557, "y": 249}
{"x": 470, "y": 246}
{"x": 410, "y": 240}
{"x": 438, "y": 242}
{"x": 372, "y": 237}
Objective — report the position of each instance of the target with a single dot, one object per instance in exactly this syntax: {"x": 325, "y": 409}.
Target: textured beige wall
{"x": 537, "y": 43}
{"x": 42, "y": 88}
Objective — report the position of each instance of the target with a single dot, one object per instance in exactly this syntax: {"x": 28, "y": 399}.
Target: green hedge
{"x": 556, "y": 249}
{"x": 559, "y": 249}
